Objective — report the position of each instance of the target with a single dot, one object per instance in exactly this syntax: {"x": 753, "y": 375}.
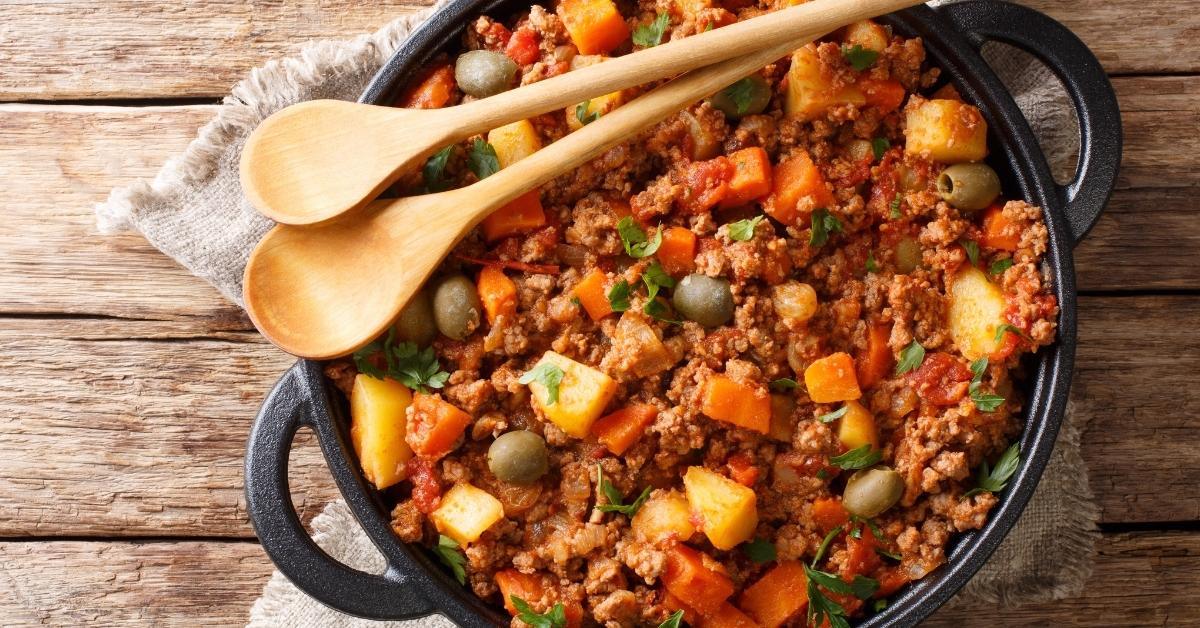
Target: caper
{"x": 908, "y": 255}
{"x": 415, "y": 323}
{"x": 482, "y": 73}
{"x": 869, "y": 492}
{"x": 969, "y": 187}
{"x": 747, "y": 97}
{"x": 519, "y": 457}
{"x": 706, "y": 300}
{"x": 456, "y": 307}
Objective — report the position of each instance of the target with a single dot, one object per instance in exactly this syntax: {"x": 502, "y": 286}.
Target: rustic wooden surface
{"x": 128, "y": 386}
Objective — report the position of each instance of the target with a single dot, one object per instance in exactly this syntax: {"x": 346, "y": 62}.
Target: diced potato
{"x": 377, "y": 428}
{"x": 976, "y": 310}
{"x": 948, "y": 131}
{"x": 466, "y": 512}
{"x": 868, "y": 34}
{"x": 729, "y": 510}
{"x": 582, "y": 395}
{"x": 665, "y": 516}
{"x": 600, "y": 104}
{"x": 857, "y": 427}
{"x": 514, "y": 142}
{"x": 782, "y": 426}
{"x": 811, "y": 92}
{"x": 832, "y": 379}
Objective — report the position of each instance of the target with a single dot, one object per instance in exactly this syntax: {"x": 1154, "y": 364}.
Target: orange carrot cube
{"x": 522, "y": 214}
{"x": 595, "y": 26}
{"x": 746, "y": 406}
{"x": 751, "y": 177}
{"x": 778, "y": 596}
{"x": 498, "y": 294}
{"x": 677, "y": 253}
{"x": 592, "y": 293}
{"x": 831, "y": 379}
{"x": 798, "y": 188}
{"x": 621, "y": 429}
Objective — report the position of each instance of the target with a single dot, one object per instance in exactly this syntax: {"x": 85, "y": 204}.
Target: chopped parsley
{"x": 972, "y": 249}
{"x": 656, "y": 279}
{"x": 991, "y": 480}
{"x": 741, "y": 94}
{"x": 986, "y": 402}
{"x": 759, "y": 551}
{"x": 868, "y": 523}
{"x": 554, "y": 618}
{"x": 618, "y": 296}
{"x": 830, "y": 417}
{"x": 858, "y": 57}
{"x": 911, "y": 357}
{"x": 1007, "y": 327}
{"x": 823, "y": 224}
{"x": 820, "y": 607}
{"x": 743, "y": 230}
{"x": 634, "y": 239}
{"x": 879, "y": 605}
{"x": 783, "y": 383}
{"x": 434, "y": 172}
{"x": 482, "y": 159}
{"x": 447, "y": 550}
{"x": 872, "y": 267}
{"x": 584, "y": 116}
{"x": 674, "y": 621}
{"x": 895, "y": 207}
{"x": 548, "y": 375}
{"x": 615, "y": 499}
{"x": 999, "y": 266}
{"x": 859, "y": 458}
{"x": 404, "y": 362}
{"x": 650, "y": 35}
{"x": 658, "y": 310}
{"x": 879, "y": 146}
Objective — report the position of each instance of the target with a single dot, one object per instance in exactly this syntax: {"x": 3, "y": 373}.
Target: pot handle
{"x": 1086, "y": 83}
{"x": 288, "y": 407}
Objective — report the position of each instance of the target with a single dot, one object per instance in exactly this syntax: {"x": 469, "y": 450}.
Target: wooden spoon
{"x": 316, "y": 160}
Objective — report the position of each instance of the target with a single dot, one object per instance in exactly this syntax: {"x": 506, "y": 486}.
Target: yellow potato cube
{"x": 665, "y": 516}
{"x": 514, "y": 142}
{"x": 857, "y": 427}
{"x": 948, "y": 131}
{"x": 811, "y": 92}
{"x": 976, "y": 310}
{"x": 868, "y": 34}
{"x": 729, "y": 510}
{"x": 782, "y": 425}
{"x": 466, "y": 512}
{"x": 377, "y": 428}
{"x": 598, "y": 105}
{"x": 583, "y": 394}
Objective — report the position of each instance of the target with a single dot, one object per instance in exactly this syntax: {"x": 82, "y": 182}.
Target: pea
{"x": 908, "y": 255}
{"x": 870, "y": 492}
{"x": 456, "y": 307}
{"x": 415, "y": 323}
{"x": 519, "y": 457}
{"x": 482, "y": 73}
{"x": 969, "y": 187}
{"x": 706, "y": 300}
{"x": 747, "y": 97}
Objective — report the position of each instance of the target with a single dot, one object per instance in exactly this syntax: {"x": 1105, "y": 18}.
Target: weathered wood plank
{"x": 1140, "y": 579}
{"x": 1159, "y": 115}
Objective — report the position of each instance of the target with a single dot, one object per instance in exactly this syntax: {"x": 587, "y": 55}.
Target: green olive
{"x": 969, "y": 187}
{"x": 519, "y": 457}
{"x": 415, "y": 323}
{"x": 747, "y": 97}
{"x": 482, "y": 73}
{"x": 908, "y": 255}
{"x": 456, "y": 307}
{"x": 706, "y": 300}
{"x": 869, "y": 492}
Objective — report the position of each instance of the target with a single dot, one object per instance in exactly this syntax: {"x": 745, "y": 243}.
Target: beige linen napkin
{"x": 194, "y": 212}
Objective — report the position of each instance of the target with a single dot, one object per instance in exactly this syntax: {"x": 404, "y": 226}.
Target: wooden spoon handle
{"x": 665, "y": 60}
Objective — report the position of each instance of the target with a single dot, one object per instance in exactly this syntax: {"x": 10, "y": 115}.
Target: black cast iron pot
{"x": 414, "y": 585}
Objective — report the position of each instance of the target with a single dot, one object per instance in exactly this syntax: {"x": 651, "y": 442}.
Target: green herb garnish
{"x": 823, "y": 224}
{"x": 872, "y": 267}
{"x": 972, "y": 249}
{"x": 404, "y": 362}
{"x": 820, "y": 607}
{"x": 986, "y": 402}
{"x": 830, "y": 417}
{"x": 741, "y": 94}
{"x": 583, "y": 115}
{"x": 434, "y": 172}
{"x": 783, "y": 383}
{"x": 990, "y": 480}
{"x": 895, "y": 207}
{"x": 634, "y": 239}
{"x": 554, "y": 618}
{"x": 999, "y": 266}
{"x": 674, "y": 621}
{"x": 910, "y": 358}
{"x": 656, "y": 279}
{"x": 656, "y": 309}
{"x": 548, "y": 375}
{"x": 447, "y": 550}
{"x": 859, "y": 458}
{"x": 759, "y": 551}
{"x": 1006, "y": 327}
{"x": 650, "y": 35}
{"x": 859, "y": 58}
{"x": 618, "y": 296}
{"x": 743, "y": 230}
{"x": 481, "y": 158}
{"x": 879, "y": 146}
{"x": 615, "y": 499}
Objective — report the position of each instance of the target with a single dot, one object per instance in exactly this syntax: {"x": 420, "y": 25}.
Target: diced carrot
{"x": 886, "y": 95}
{"x": 746, "y": 406}
{"x": 434, "y": 426}
{"x": 532, "y": 587}
{"x": 592, "y": 293}
{"x": 621, "y": 429}
{"x": 498, "y": 294}
{"x": 890, "y": 581}
{"x": 595, "y": 26}
{"x": 828, "y": 513}
{"x": 998, "y": 231}
{"x": 831, "y": 379}
{"x": 875, "y": 362}
{"x": 778, "y": 596}
{"x": 433, "y": 92}
{"x": 521, "y": 214}
{"x": 725, "y": 616}
{"x": 690, "y": 616}
{"x": 742, "y": 469}
{"x": 677, "y": 253}
{"x": 751, "y": 177}
{"x": 797, "y": 179}
{"x": 705, "y": 184}
{"x": 861, "y": 558}
{"x": 696, "y": 579}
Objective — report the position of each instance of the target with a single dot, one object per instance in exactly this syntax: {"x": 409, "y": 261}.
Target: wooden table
{"x": 127, "y": 386}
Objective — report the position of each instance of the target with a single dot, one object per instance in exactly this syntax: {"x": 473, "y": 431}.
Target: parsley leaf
{"x": 869, "y": 523}
{"x": 615, "y": 499}
{"x": 548, "y": 375}
{"x": 895, "y": 207}
{"x": 554, "y": 618}
{"x": 743, "y": 230}
{"x": 658, "y": 310}
{"x": 872, "y": 267}
{"x": 887, "y": 554}
{"x": 879, "y": 146}
{"x": 434, "y": 172}
{"x": 978, "y": 367}
{"x": 830, "y": 417}
{"x": 618, "y": 296}
{"x": 825, "y": 545}
{"x": 823, "y": 224}
{"x": 634, "y": 239}
{"x": 972, "y": 249}
{"x": 759, "y": 551}
{"x": 650, "y": 35}
{"x": 879, "y": 605}
{"x": 447, "y": 551}
{"x": 910, "y": 358}
{"x": 404, "y": 362}
{"x": 986, "y": 402}
{"x": 584, "y": 116}
{"x": 655, "y": 279}
{"x": 741, "y": 94}
{"x": 674, "y": 621}
{"x": 859, "y": 458}
{"x": 783, "y": 383}
{"x": 1006, "y": 327}
{"x": 859, "y": 58}
{"x": 482, "y": 159}
{"x": 999, "y": 266}
{"x": 994, "y": 480}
